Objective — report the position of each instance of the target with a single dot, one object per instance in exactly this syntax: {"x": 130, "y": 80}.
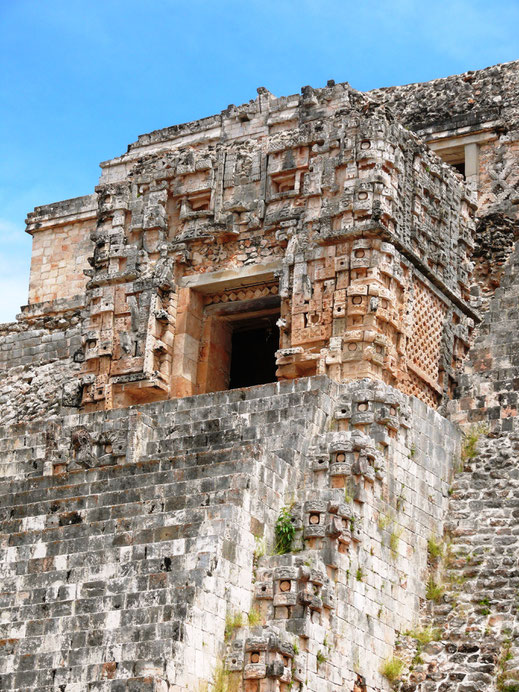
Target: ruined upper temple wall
{"x": 324, "y": 204}
{"x": 477, "y": 109}
{"x": 60, "y": 248}
{"x": 319, "y": 206}
{"x": 467, "y": 100}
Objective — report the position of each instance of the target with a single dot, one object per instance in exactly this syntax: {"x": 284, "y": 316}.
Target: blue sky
{"x": 80, "y": 79}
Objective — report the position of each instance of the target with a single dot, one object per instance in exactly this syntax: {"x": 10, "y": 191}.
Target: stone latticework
{"x": 286, "y": 312}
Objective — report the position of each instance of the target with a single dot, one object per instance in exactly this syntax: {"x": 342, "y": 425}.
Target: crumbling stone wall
{"x": 463, "y": 100}
{"x": 475, "y": 635}
{"x": 488, "y": 387}
{"x": 40, "y": 362}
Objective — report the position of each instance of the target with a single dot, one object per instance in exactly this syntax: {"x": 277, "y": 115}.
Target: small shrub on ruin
{"x": 284, "y": 532}
{"x": 470, "y": 444}
{"x": 434, "y": 549}
{"x": 321, "y": 658}
{"x": 425, "y": 635}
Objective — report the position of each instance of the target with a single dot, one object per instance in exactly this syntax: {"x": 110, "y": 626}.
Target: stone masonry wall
{"x": 474, "y": 619}
{"x": 128, "y": 538}
{"x": 462, "y": 100}
{"x": 61, "y": 247}
{"x": 488, "y": 387}
{"x": 39, "y": 370}
{"x": 323, "y": 205}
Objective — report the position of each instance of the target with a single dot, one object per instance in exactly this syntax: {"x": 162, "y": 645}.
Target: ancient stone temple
{"x": 258, "y": 417}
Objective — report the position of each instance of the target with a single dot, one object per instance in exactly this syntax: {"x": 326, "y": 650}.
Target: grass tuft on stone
{"x": 425, "y": 635}
{"x": 233, "y": 621}
{"x": 254, "y": 617}
{"x": 470, "y": 445}
{"x": 392, "y": 669}
{"x": 434, "y": 549}
{"x": 434, "y": 591}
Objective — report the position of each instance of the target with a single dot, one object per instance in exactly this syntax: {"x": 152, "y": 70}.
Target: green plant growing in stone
{"x": 224, "y": 681}
{"x": 254, "y": 617}
{"x": 417, "y": 659}
{"x": 434, "y": 591}
{"x": 394, "y": 541}
{"x": 485, "y": 609}
{"x": 470, "y": 444}
{"x": 503, "y": 682}
{"x": 392, "y": 669}
{"x": 383, "y": 521}
{"x": 284, "y": 532}
{"x": 359, "y": 575}
{"x": 233, "y": 621}
{"x": 425, "y": 635}
{"x": 321, "y": 658}
{"x": 434, "y": 549}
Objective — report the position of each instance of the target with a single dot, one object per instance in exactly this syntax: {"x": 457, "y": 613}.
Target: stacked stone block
{"x": 40, "y": 362}
{"x": 128, "y": 537}
{"x": 476, "y": 642}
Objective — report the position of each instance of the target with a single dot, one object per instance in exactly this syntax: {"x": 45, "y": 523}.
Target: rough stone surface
{"x": 121, "y": 552}
{"x": 476, "y": 617}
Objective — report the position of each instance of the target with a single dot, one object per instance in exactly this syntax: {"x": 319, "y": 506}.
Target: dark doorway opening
{"x": 460, "y": 167}
{"x": 239, "y": 343}
{"x": 253, "y": 352}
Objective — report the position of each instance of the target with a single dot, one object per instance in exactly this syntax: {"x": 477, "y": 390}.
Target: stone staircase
{"x": 131, "y": 537}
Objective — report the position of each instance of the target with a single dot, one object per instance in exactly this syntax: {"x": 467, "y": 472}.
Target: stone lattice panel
{"x": 424, "y": 344}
